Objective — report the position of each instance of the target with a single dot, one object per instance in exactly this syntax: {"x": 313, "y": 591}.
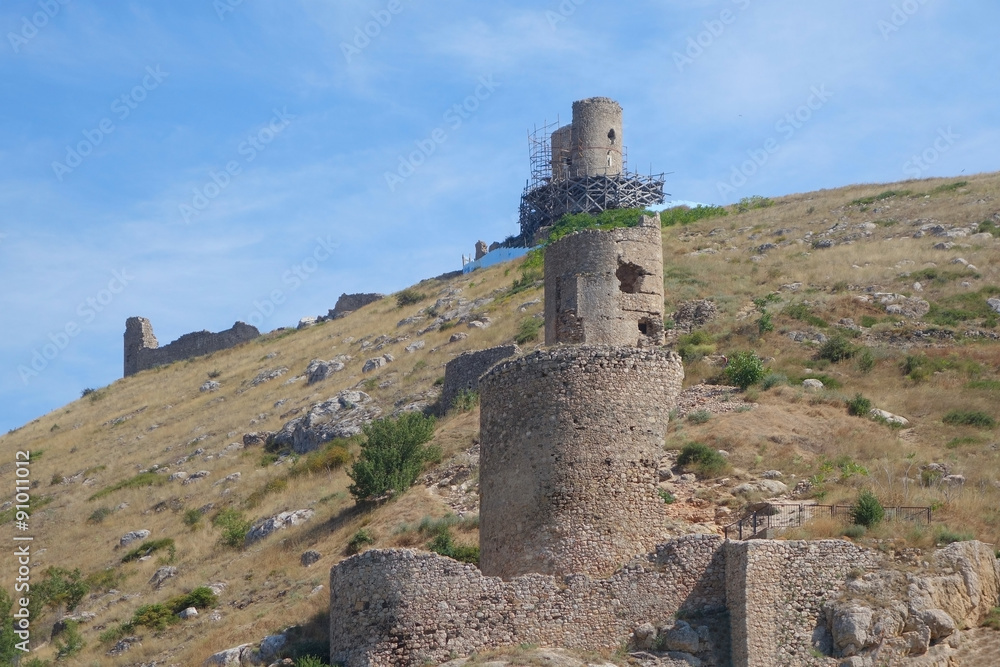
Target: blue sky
{"x": 190, "y": 160}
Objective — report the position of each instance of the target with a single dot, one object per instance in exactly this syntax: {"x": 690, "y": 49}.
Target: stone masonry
{"x": 571, "y": 438}
{"x": 348, "y": 303}
{"x": 463, "y": 372}
{"x": 606, "y": 287}
{"x": 142, "y": 351}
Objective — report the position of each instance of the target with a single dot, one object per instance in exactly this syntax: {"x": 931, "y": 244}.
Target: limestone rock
{"x": 376, "y": 363}
{"x": 310, "y": 557}
{"x": 238, "y": 656}
{"x": 953, "y": 480}
{"x": 414, "y": 346}
{"x": 319, "y": 370}
{"x": 272, "y": 645}
{"x": 190, "y": 612}
{"x": 276, "y": 523}
{"x": 770, "y": 486}
{"x": 850, "y": 625}
{"x": 132, "y": 536}
{"x": 812, "y": 384}
{"x": 201, "y": 474}
{"x": 457, "y": 336}
{"x": 645, "y": 636}
{"x": 176, "y": 476}
{"x": 889, "y": 417}
{"x": 994, "y": 303}
{"x": 267, "y": 375}
{"x": 772, "y": 474}
{"x": 692, "y": 315}
{"x": 211, "y": 385}
{"x": 939, "y": 622}
{"x": 682, "y": 637}
{"x": 256, "y": 438}
{"x": 338, "y": 417}
{"x": 307, "y": 321}
{"x": 161, "y": 575}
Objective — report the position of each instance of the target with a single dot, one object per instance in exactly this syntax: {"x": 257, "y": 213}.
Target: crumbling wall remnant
{"x": 463, "y": 372}
{"x": 142, "y": 351}
{"x": 348, "y": 303}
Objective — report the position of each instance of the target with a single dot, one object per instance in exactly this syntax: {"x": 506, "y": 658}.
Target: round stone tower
{"x": 562, "y": 145}
{"x": 596, "y": 138}
{"x": 571, "y": 438}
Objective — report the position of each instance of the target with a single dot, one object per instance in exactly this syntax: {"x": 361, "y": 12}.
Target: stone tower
{"x": 138, "y": 337}
{"x": 596, "y": 138}
{"x": 572, "y": 435}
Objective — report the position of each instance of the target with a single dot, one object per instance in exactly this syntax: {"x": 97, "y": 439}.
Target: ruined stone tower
{"x": 142, "y": 351}
{"x": 596, "y": 140}
{"x": 571, "y": 435}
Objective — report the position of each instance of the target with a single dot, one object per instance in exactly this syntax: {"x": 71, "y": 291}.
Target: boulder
{"x": 994, "y": 303}
{"x": 190, "y": 612}
{"x": 850, "y": 625}
{"x": 376, "y": 363}
{"x": 272, "y": 645}
{"x": 277, "y": 522}
{"x": 307, "y": 321}
{"x": 238, "y": 656}
{"x": 194, "y": 477}
{"x": 319, "y": 370}
{"x": 176, "y": 476}
{"x": 414, "y": 346}
{"x": 309, "y": 557}
{"x": 256, "y": 438}
{"x": 211, "y": 385}
{"x": 812, "y": 384}
{"x": 889, "y": 417}
{"x": 939, "y": 622}
{"x": 161, "y": 576}
{"x": 130, "y": 537}
{"x": 645, "y": 636}
{"x": 341, "y": 416}
{"x": 457, "y": 336}
{"x": 682, "y": 637}
{"x": 770, "y": 486}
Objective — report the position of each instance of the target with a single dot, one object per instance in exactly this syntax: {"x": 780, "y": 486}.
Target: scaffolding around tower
{"x": 582, "y": 168}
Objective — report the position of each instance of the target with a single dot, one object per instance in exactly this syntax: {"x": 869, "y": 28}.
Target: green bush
{"x": 392, "y": 456}
{"x": 866, "y": 360}
{"x": 868, "y": 321}
{"x": 969, "y": 418}
{"x": 465, "y": 400}
{"x": 666, "y": 496}
{"x": 334, "y": 456}
{"x": 744, "y": 369}
{"x": 361, "y": 539}
{"x": 309, "y": 661}
{"x": 837, "y": 348}
{"x": 764, "y": 324}
{"x": 753, "y": 202}
{"x": 444, "y": 545}
{"x": 683, "y": 215}
{"x": 802, "y": 313}
{"x": 100, "y": 514}
{"x": 149, "y": 547}
{"x": 155, "y": 616}
{"x": 946, "y": 535}
{"x": 272, "y": 486}
{"x": 859, "y": 406}
{"x": 192, "y": 518}
{"x": 699, "y": 416}
{"x": 867, "y": 511}
{"x": 60, "y": 586}
{"x": 69, "y": 642}
{"x": 695, "y": 345}
{"x": 234, "y": 527}
{"x": 201, "y": 597}
{"x": 527, "y": 330}
{"x": 854, "y": 532}
{"x": 992, "y": 619}
{"x": 609, "y": 219}
{"x": 703, "y": 461}
{"x": 408, "y": 297}
{"x": 772, "y": 380}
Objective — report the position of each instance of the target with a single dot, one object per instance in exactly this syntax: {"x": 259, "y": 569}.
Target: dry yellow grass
{"x": 167, "y": 418}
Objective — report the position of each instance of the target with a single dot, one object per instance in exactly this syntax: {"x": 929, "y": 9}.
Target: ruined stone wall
{"x": 400, "y": 607}
{"x": 348, "y": 303}
{"x": 596, "y": 137}
{"x": 776, "y": 590}
{"x": 561, "y": 143}
{"x": 571, "y": 438}
{"x": 142, "y": 350}
{"x": 462, "y": 372}
{"x": 606, "y": 287}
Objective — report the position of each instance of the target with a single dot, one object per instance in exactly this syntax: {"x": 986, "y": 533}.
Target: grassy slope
{"x": 267, "y": 587}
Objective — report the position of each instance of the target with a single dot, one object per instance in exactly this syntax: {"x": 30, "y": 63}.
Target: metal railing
{"x": 792, "y": 515}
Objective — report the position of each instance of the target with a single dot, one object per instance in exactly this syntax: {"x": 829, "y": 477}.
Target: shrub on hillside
{"x": 859, "y": 406}
{"x": 444, "y": 544}
{"x": 361, "y": 539}
{"x": 744, "y": 369}
{"x": 149, "y": 547}
{"x": 867, "y": 511}
{"x": 837, "y": 348}
{"x": 695, "y": 345}
{"x": 527, "y": 330}
{"x": 392, "y": 456}
{"x": 969, "y": 418}
{"x": 408, "y": 297}
{"x": 684, "y": 215}
{"x": 234, "y": 527}
{"x": 702, "y": 460}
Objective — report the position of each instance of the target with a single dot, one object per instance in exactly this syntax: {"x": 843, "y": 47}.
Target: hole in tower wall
{"x": 643, "y": 327}
{"x": 629, "y": 276}
{"x": 611, "y": 136}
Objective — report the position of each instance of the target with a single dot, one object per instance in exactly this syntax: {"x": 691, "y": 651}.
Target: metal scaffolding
{"x": 546, "y": 199}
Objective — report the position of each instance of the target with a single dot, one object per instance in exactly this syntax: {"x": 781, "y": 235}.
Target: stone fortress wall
{"x": 142, "y": 351}
{"x": 348, "y": 303}
{"x": 571, "y": 437}
{"x": 606, "y": 287}
{"x": 596, "y": 138}
{"x": 462, "y": 373}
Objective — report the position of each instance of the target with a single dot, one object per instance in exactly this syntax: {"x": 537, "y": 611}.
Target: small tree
{"x": 744, "y": 369}
{"x": 392, "y": 456}
{"x": 867, "y": 511}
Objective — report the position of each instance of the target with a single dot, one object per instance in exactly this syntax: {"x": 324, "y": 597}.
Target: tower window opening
{"x": 611, "y": 136}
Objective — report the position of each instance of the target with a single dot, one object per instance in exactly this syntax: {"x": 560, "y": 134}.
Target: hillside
{"x": 877, "y": 290}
